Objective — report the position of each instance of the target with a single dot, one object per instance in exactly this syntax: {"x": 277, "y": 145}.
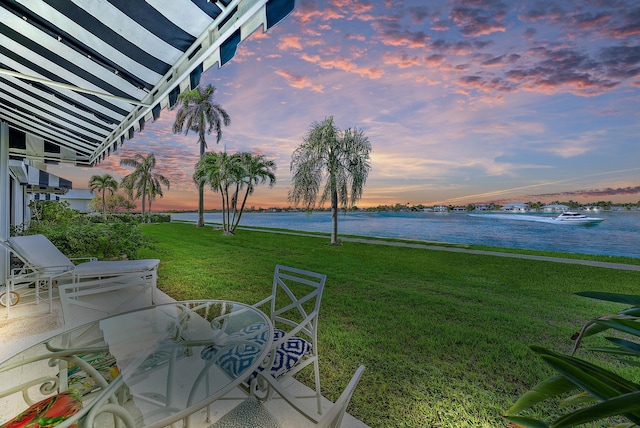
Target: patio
{"x": 31, "y": 323}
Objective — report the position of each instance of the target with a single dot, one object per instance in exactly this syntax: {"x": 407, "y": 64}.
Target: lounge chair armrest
{"x": 91, "y": 259}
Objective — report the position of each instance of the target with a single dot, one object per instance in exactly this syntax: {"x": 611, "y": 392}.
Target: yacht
{"x": 572, "y": 217}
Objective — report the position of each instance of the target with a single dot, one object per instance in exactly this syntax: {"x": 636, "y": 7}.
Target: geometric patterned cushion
{"x": 235, "y": 360}
{"x": 288, "y": 354}
{"x": 49, "y": 412}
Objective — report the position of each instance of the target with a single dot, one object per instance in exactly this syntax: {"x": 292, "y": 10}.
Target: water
{"x": 618, "y": 235}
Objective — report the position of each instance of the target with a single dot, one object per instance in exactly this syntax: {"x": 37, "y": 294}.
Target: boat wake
{"x": 537, "y": 218}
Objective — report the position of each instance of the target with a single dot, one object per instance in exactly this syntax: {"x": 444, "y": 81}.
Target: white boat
{"x": 572, "y": 217}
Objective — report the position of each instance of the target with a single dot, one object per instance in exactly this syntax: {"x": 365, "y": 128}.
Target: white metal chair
{"x": 43, "y": 262}
{"x": 254, "y": 414}
{"x": 293, "y": 308}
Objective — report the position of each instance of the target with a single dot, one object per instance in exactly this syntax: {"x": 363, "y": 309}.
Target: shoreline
{"x": 443, "y": 246}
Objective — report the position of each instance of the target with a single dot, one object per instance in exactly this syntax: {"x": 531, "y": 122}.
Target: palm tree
{"x": 343, "y": 156}
{"x": 256, "y": 169}
{"x": 103, "y": 183}
{"x": 197, "y": 112}
{"x": 213, "y": 169}
{"x": 143, "y": 180}
{"x": 231, "y": 175}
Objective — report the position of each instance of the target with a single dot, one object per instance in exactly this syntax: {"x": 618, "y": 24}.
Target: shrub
{"x": 86, "y": 238}
{"x": 586, "y": 391}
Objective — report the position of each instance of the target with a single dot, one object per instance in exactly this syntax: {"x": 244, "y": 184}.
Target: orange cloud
{"x": 299, "y": 82}
{"x": 290, "y": 42}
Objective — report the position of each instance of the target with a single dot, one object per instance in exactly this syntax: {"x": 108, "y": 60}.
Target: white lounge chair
{"x": 252, "y": 413}
{"x": 43, "y": 263}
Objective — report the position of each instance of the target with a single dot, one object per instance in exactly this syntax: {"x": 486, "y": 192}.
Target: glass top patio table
{"x": 165, "y": 361}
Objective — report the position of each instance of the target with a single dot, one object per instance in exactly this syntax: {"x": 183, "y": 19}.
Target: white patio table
{"x": 145, "y": 368}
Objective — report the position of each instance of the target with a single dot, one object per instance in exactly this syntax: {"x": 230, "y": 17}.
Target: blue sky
{"x": 466, "y": 101}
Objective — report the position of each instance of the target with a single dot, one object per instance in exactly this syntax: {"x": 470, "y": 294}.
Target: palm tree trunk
{"x": 244, "y": 201}
{"x": 200, "y": 205}
{"x": 334, "y": 216}
{"x": 104, "y": 206}
{"x": 201, "y": 187}
{"x": 144, "y": 194}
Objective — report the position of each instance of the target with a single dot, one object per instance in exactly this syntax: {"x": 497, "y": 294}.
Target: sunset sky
{"x": 466, "y": 101}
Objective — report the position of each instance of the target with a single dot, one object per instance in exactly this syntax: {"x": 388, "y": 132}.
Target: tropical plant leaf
{"x": 630, "y": 299}
{"x": 593, "y": 329}
{"x": 627, "y": 326}
{"x": 601, "y": 383}
{"x": 577, "y": 399}
{"x": 524, "y": 422}
{"x": 625, "y": 344}
{"x": 542, "y": 391}
{"x": 614, "y": 351}
{"x": 626, "y": 404}
{"x": 634, "y": 312}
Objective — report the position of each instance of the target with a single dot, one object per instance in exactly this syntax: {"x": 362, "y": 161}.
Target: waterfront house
{"x": 516, "y": 207}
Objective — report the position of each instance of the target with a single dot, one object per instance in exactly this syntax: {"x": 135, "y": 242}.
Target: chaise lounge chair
{"x": 43, "y": 263}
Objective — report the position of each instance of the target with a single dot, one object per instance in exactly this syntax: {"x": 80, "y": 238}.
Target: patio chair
{"x": 293, "y": 308}
{"x": 43, "y": 263}
{"x": 254, "y": 414}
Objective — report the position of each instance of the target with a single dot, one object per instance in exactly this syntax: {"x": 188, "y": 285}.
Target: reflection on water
{"x": 618, "y": 235}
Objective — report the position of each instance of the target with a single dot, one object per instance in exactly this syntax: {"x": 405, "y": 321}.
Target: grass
{"x": 443, "y": 334}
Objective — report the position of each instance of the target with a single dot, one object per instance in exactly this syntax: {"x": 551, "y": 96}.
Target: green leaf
{"x": 627, "y": 326}
{"x": 613, "y": 351}
{"x": 594, "y": 329}
{"x": 630, "y": 299}
{"x": 524, "y": 422}
{"x": 596, "y": 380}
{"x": 625, "y": 344}
{"x": 544, "y": 390}
{"x": 626, "y": 404}
{"x": 581, "y": 398}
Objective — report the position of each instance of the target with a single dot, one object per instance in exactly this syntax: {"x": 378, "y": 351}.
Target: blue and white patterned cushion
{"x": 235, "y": 360}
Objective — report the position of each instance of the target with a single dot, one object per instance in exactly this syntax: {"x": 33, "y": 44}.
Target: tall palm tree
{"x": 143, "y": 181}
{"x": 343, "y": 156}
{"x": 197, "y": 112}
{"x": 103, "y": 183}
{"x": 155, "y": 189}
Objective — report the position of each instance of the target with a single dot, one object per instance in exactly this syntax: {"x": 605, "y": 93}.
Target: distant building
{"x": 440, "y": 209}
{"x": 555, "y": 208}
{"x": 516, "y": 207}
{"x": 481, "y": 208}
{"x": 79, "y": 199}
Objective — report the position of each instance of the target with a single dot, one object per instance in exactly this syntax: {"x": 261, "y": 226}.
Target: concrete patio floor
{"x": 29, "y": 324}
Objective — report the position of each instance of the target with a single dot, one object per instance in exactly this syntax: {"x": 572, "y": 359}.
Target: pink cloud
{"x": 343, "y": 64}
{"x": 290, "y": 41}
{"x": 299, "y": 82}
{"x": 400, "y": 61}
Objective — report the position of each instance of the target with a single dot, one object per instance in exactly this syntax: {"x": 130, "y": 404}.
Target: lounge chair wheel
{"x": 15, "y": 298}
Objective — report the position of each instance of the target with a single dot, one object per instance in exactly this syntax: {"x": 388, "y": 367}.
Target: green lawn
{"x": 443, "y": 335}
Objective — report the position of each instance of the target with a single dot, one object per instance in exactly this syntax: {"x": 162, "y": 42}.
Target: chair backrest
{"x": 296, "y": 298}
{"x": 333, "y": 417}
{"x": 40, "y": 253}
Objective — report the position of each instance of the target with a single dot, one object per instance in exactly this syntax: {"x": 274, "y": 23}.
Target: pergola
{"x": 78, "y": 78}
